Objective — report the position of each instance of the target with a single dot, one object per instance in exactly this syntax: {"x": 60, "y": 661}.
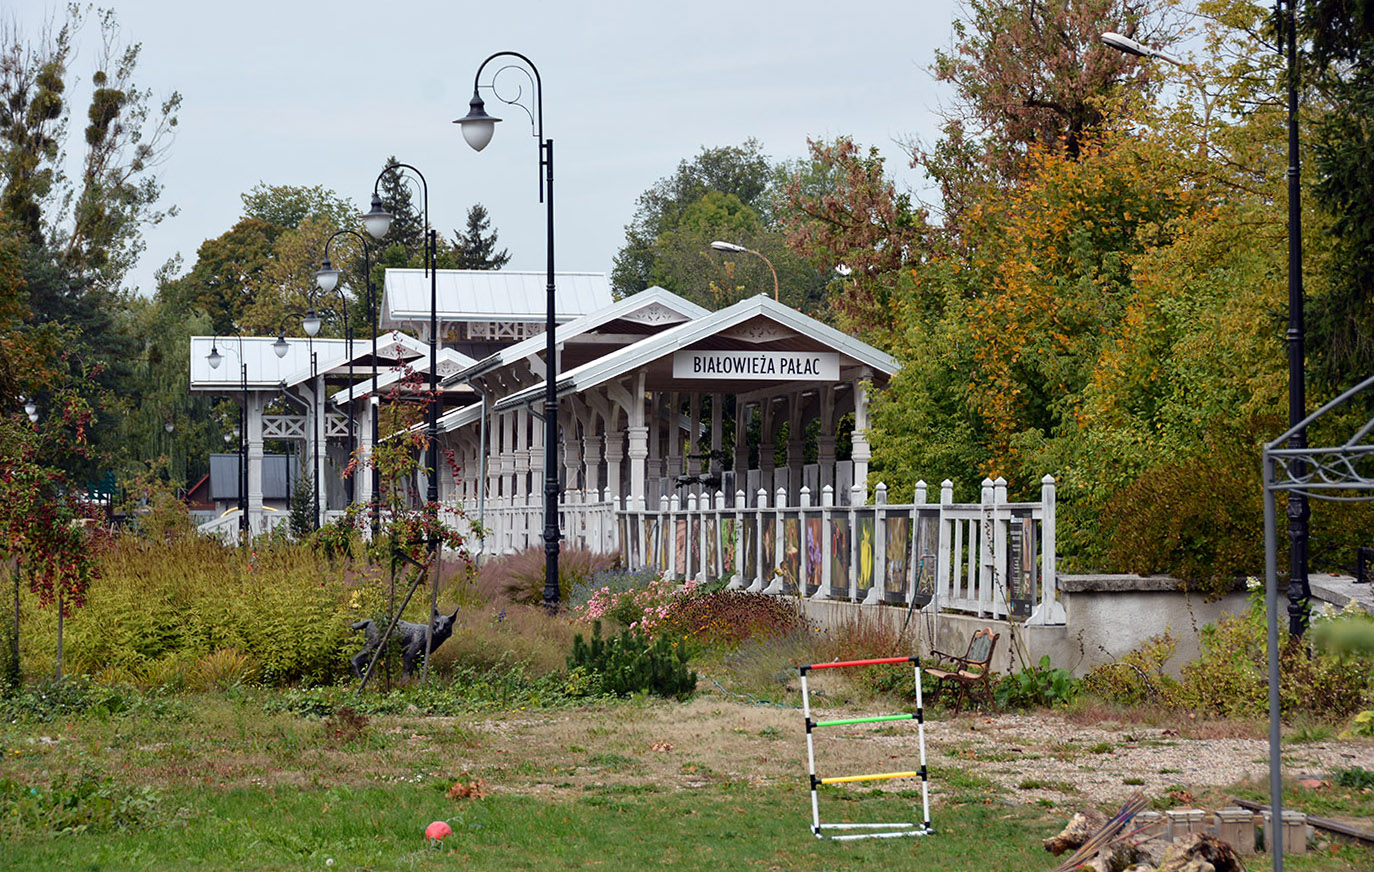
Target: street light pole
{"x": 1299, "y": 590}
{"x": 327, "y": 278}
{"x": 478, "y": 128}
{"x": 378, "y": 221}
{"x": 718, "y": 245}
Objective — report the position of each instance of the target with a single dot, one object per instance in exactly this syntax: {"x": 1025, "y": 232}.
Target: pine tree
{"x": 473, "y": 248}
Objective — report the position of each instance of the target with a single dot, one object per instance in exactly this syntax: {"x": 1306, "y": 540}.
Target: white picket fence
{"x": 992, "y": 558}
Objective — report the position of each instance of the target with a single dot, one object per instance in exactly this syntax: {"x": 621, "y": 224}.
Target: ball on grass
{"x": 437, "y": 831}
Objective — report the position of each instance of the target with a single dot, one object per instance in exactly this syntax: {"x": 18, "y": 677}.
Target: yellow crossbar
{"x": 877, "y": 777}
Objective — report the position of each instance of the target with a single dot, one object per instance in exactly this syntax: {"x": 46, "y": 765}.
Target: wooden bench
{"x": 971, "y": 674}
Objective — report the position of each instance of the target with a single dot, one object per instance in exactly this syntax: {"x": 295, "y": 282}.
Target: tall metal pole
{"x": 551, "y": 534}
{"x": 477, "y": 130}
{"x": 1298, "y": 512}
{"x": 243, "y": 447}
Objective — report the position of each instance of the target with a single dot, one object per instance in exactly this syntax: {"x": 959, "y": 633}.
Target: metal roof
{"x": 491, "y": 295}
{"x": 266, "y": 371}
{"x": 807, "y": 330}
{"x": 655, "y": 302}
{"x": 224, "y": 476}
{"x": 450, "y": 363}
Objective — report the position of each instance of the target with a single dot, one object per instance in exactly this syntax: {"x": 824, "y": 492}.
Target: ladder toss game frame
{"x": 879, "y": 830}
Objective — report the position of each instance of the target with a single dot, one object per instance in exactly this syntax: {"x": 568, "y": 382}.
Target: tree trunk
{"x": 59, "y": 635}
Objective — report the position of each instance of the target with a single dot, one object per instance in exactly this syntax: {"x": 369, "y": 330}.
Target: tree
{"x": 1342, "y": 319}
{"x": 473, "y": 248}
{"x": 288, "y": 206}
{"x": 223, "y": 281}
{"x": 741, "y": 171}
{"x": 1035, "y": 72}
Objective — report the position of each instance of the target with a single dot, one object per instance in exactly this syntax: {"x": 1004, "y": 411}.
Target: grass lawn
{"x": 233, "y": 782}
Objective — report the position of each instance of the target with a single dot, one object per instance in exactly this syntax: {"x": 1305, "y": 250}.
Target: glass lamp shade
{"x": 727, "y": 246}
{"x": 477, "y": 125}
{"x": 31, "y": 409}
{"x": 169, "y": 426}
{"x": 228, "y": 437}
{"x": 1126, "y": 44}
{"x": 236, "y": 432}
{"x": 33, "y": 418}
{"x": 280, "y": 345}
{"x": 311, "y": 323}
{"x": 377, "y": 220}
{"x": 326, "y": 277}
{"x": 214, "y": 357}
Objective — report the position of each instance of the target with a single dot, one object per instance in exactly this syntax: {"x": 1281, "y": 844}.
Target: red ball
{"x": 437, "y": 830}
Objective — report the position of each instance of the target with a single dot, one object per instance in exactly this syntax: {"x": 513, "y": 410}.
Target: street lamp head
{"x": 214, "y": 357}
{"x": 718, "y": 245}
{"x": 311, "y": 323}
{"x": 31, "y": 409}
{"x": 377, "y": 220}
{"x": 228, "y": 437}
{"x": 169, "y": 426}
{"x": 1126, "y": 44}
{"x": 326, "y": 277}
{"x": 280, "y": 345}
{"x": 477, "y": 125}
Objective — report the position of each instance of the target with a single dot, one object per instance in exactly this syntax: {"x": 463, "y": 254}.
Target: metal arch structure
{"x": 1343, "y": 472}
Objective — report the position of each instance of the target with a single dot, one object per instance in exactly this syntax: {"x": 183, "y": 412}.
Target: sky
{"x": 288, "y": 93}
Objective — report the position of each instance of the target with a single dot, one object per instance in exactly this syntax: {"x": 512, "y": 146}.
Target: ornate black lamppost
{"x": 1299, "y": 590}
{"x": 478, "y": 128}
{"x": 378, "y": 222}
{"x": 327, "y": 278}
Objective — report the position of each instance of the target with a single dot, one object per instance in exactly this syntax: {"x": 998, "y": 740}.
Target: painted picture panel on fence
{"x": 758, "y": 365}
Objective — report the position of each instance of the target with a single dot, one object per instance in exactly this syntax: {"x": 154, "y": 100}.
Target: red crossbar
{"x": 862, "y": 662}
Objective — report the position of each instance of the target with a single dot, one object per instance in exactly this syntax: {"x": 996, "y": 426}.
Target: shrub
{"x": 727, "y": 618}
{"x": 1231, "y": 677}
{"x": 519, "y": 577}
{"x": 1038, "y": 685}
{"x": 1137, "y": 677}
{"x": 635, "y": 608}
{"x": 633, "y": 663}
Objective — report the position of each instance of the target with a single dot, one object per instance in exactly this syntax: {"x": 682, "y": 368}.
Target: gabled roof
{"x": 490, "y": 295}
{"x": 760, "y": 321}
{"x": 450, "y": 363}
{"x": 267, "y": 371}
{"x": 654, "y": 306}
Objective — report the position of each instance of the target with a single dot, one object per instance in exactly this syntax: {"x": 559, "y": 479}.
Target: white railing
{"x": 992, "y": 558}
{"x": 226, "y": 526}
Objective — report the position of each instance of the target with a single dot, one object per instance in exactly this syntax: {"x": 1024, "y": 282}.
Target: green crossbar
{"x": 873, "y": 720}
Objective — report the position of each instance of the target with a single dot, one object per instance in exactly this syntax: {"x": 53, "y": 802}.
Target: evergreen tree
{"x": 474, "y": 249}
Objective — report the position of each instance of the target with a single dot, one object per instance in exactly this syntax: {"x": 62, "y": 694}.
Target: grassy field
{"x": 232, "y": 781}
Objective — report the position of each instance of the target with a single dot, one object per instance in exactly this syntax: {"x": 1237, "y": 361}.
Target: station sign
{"x": 758, "y": 365}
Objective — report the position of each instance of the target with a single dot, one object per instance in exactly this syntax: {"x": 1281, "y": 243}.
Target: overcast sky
{"x": 320, "y": 94}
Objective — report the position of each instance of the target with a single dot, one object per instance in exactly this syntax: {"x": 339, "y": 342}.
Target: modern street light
{"x": 327, "y": 278}
{"x": 214, "y": 358}
{"x": 718, "y": 245}
{"x": 31, "y": 410}
{"x": 478, "y": 128}
{"x": 1299, "y": 590}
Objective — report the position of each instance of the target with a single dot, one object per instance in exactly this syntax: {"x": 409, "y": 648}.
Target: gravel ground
{"x": 1047, "y": 757}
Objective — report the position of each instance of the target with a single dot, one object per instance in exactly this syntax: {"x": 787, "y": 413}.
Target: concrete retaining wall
{"x": 1107, "y": 616}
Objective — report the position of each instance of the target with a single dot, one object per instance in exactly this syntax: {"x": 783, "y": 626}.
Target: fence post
{"x": 944, "y": 548}
{"x": 876, "y": 590}
{"x": 827, "y": 518}
{"x": 803, "y": 570}
{"x": 737, "y": 583}
{"x": 983, "y": 596}
{"x": 671, "y": 535}
{"x": 1001, "y": 593}
{"x": 778, "y": 584}
{"x": 760, "y": 505}
{"x": 1048, "y": 610}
